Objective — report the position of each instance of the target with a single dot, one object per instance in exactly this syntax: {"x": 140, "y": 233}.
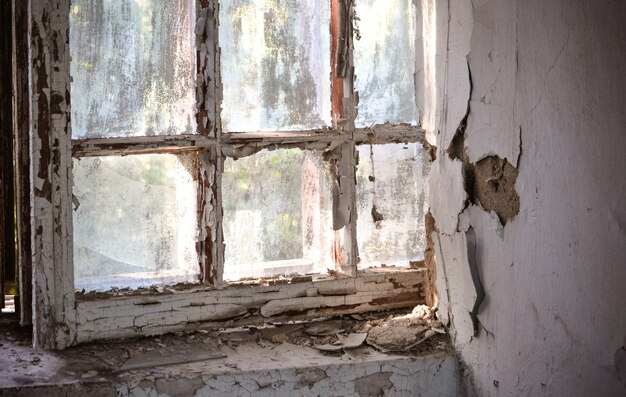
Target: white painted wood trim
{"x": 128, "y": 316}
{"x": 54, "y": 323}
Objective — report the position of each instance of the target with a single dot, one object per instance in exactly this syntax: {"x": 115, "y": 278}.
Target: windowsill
{"x": 233, "y": 362}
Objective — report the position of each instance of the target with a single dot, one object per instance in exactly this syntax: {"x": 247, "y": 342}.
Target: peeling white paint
{"x": 447, "y": 193}
{"x": 549, "y": 76}
{"x": 126, "y": 316}
{"x": 491, "y": 122}
{"x": 53, "y": 299}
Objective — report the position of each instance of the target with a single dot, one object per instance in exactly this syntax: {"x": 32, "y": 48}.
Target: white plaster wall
{"x": 549, "y": 78}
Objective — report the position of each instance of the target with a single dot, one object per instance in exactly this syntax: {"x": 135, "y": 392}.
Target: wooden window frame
{"x": 62, "y": 317}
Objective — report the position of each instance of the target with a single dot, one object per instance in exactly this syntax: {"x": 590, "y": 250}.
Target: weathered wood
{"x": 22, "y": 158}
{"x": 6, "y": 148}
{"x": 207, "y": 205}
{"x": 139, "y": 145}
{"x": 218, "y": 214}
{"x": 51, "y": 190}
{"x": 232, "y": 144}
{"x": 207, "y": 97}
{"x": 390, "y": 133}
{"x": 243, "y": 144}
{"x": 125, "y": 316}
{"x": 343, "y": 168}
{"x": 61, "y": 318}
{"x": 338, "y": 47}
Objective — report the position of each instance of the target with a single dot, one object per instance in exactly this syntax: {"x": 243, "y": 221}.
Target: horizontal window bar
{"x": 389, "y": 133}
{"x": 139, "y": 145}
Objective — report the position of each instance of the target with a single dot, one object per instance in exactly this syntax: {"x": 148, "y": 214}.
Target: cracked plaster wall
{"x": 540, "y": 84}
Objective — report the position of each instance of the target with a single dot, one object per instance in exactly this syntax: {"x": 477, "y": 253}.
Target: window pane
{"x": 132, "y": 67}
{"x": 275, "y": 64}
{"x": 384, "y": 61}
{"x": 277, "y": 214}
{"x": 391, "y": 203}
{"x": 136, "y": 221}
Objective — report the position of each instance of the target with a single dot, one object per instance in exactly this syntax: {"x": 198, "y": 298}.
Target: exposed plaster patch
{"x": 490, "y": 181}
{"x": 494, "y": 187}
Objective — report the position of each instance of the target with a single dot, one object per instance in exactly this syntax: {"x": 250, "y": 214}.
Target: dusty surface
{"x": 124, "y": 365}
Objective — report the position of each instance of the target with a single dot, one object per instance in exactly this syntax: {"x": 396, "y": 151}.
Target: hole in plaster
{"x": 494, "y": 187}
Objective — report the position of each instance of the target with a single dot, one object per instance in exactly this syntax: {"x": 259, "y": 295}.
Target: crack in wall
{"x": 489, "y": 182}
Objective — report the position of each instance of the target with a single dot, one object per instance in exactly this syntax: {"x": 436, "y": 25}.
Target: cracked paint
{"x": 63, "y": 318}
{"x": 53, "y": 317}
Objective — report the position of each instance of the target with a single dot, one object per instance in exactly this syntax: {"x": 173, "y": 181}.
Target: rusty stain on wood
{"x": 337, "y": 57}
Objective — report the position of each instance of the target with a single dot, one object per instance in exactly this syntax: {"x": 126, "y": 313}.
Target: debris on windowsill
{"x": 326, "y": 328}
{"x": 393, "y": 332}
{"x": 350, "y": 341}
{"x": 390, "y": 332}
{"x": 402, "y": 333}
{"x": 278, "y": 334}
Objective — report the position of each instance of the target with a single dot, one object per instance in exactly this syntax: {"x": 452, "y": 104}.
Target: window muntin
{"x": 275, "y": 62}
{"x": 133, "y": 68}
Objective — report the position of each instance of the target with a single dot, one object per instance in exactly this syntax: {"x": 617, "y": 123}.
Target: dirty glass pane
{"x": 275, "y": 64}
{"x": 391, "y": 203}
{"x": 277, "y": 214}
{"x": 132, "y": 67}
{"x": 384, "y": 59}
{"x": 135, "y": 221}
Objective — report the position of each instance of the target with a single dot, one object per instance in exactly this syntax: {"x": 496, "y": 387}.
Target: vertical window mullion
{"x": 218, "y": 215}
{"x": 344, "y": 210}
{"x": 338, "y": 46}
{"x": 344, "y": 110}
{"x": 207, "y": 199}
{"x": 207, "y": 67}
{"x": 213, "y": 43}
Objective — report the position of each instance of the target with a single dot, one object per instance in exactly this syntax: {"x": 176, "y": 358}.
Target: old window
{"x": 252, "y": 158}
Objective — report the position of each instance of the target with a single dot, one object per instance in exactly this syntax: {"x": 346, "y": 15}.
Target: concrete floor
{"x": 275, "y": 361}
